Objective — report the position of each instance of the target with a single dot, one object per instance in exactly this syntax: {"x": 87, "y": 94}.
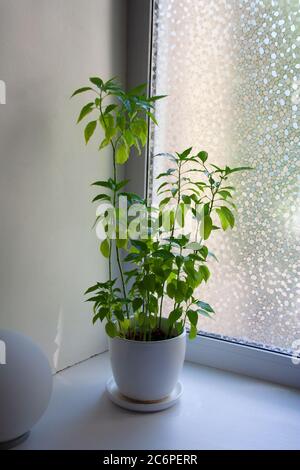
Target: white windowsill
{"x": 219, "y": 410}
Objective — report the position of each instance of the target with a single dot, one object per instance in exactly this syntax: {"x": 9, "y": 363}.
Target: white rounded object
{"x": 25, "y": 384}
{"x": 132, "y": 405}
{"x": 147, "y": 370}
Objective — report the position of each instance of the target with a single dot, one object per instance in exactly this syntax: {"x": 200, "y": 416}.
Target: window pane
{"x": 231, "y": 69}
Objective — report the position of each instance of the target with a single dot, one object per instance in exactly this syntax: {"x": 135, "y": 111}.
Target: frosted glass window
{"x": 231, "y": 69}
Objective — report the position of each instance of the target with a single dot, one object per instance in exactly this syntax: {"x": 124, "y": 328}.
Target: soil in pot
{"x": 156, "y": 335}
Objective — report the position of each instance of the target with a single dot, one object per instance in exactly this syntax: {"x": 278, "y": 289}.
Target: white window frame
{"x": 205, "y": 350}
{"x": 243, "y": 359}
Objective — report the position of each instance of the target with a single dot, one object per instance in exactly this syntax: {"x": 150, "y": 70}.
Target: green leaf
{"x": 223, "y": 219}
{"x": 139, "y": 245}
{"x": 153, "y": 304}
{"x": 81, "y": 90}
{"x": 206, "y": 227}
{"x": 164, "y": 202}
{"x": 122, "y": 152}
{"x": 91, "y": 289}
{"x": 138, "y": 89}
{"x": 217, "y": 168}
{"x": 190, "y": 269}
{"x": 204, "y": 313}
{"x": 168, "y": 220}
{"x": 111, "y": 84}
{"x": 194, "y": 246}
{"x": 174, "y": 316}
{"x": 225, "y": 194}
{"x": 226, "y": 217}
{"x": 105, "y": 142}
{"x": 166, "y": 255}
{"x": 158, "y": 97}
{"x": 103, "y": 313}
{"x": 180, "y": 214}
{"x": 228, "y": 170}
{"x": 193, "y": 332}
{"x": 132, "y": 197}
{"x": 205, "y": 273}
{"x": 140, "y": 130}
{"x": 152, "y": 321}
{"x": 119, "y": 314}
{"x": 185, "y": 154}
{"x": 152, "y": 117}
{"x": 121, "y": 184}
{"x": 93, "y": 299}
{"x": 96, "y": 81}
{"x": 179, "y": 261}
{"x": 186, "y": 199}
{"x": 204, "y": 251}
{"x": 102, "y": 197}
{"x": 212, "y": 255}
{"x": 105, "y": 184}
{"x": 130, "y": 140}
{"x": 229, "y": 215}
{"x": 205, "y": 306}
{"x": 108, "y": 125}
{"x": 121, "y": 242}
{"x": 141, "y": 318}
{"x": 137, "y": 146}
{"x": 230, "y": 188}
{"x": 193, "y": 317}
{"x": 169, "y": 172}
{"x": 179, "y": 327}
{"x": 203, "y": 156}
{"x": 171, "y": 290}
{"x": 149, "y": 281}
{"x": 132, "y": 257}
{"x": 95, "y": 318}
{"x": 105, "y": 248}
{"x": 111, "y": 329}
{"x": 110, "y": 108}
{"x": 88, "y": 108}
{"x": 162, "y": 185}
{"x": 125, "y": 324}
{"x": 181, "y": 290}
{"x": 89, "y": 130}
{"x": 137, "y": 303}
{"x": 121, "y": 122}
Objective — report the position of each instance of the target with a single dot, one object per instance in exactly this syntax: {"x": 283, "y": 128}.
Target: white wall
{"x": 48, "y": 253}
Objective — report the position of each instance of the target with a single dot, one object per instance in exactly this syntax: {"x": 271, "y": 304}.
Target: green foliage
{"x": 89, "y": 130}
{"x": 123, "y": 121}
{"x": 105, "y": 248}
{"x": 165, "y": 264}
{"x": 122, "y": 152}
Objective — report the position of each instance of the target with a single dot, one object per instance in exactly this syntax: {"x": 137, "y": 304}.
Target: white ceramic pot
{"x": 147, "y": 370}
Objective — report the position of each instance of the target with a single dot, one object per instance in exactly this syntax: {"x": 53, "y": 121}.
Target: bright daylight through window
{"x": 232, "y": 69}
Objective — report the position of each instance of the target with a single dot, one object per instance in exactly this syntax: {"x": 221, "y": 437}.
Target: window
{"x": 231, "y": 69}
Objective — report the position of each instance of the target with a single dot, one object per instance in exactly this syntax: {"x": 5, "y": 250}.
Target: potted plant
{"x": 147, "y": 308}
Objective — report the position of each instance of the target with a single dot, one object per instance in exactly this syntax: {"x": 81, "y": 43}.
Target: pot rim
{"x": 183, "y": 334}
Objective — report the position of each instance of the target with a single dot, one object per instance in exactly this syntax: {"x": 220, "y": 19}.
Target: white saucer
{"x": 124, "y": 402}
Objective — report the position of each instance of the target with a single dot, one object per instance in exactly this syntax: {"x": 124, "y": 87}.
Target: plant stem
{"x": 109, "y": 261}
{"x": 114, "y": 204}
{"x": 172, "y": 235}
{"x": 117, "y": 249}
{"x": 110, "y": 242}
{"x": 161, "y": 306}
